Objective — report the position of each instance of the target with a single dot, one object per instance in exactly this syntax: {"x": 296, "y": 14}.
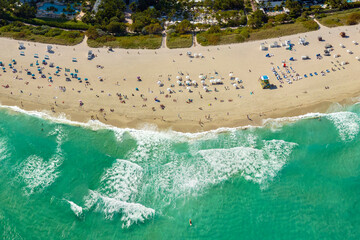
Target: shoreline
{"x": 307, "y": 112}
{"x": 208, "y": 110}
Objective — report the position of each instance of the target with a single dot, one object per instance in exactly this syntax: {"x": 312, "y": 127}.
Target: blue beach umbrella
{"x": 79, "y": 79}
{"x": 33, "y": 75}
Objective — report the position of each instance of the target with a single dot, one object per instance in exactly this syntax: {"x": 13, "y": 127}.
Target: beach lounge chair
{"x": 47, "y": 57}
{"x": 36, "y": 55}
{"x": 74, "y": 60}
{"x": 22, "y": 53}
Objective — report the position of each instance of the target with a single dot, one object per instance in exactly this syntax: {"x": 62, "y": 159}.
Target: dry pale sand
{"x": 208, "y": 110}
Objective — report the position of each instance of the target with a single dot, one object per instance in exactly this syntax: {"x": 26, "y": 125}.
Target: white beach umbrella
{"x": 230, "y": 75}
{"x": 179, "y": 82}
{"x": 203, "y": 81}
{"x": 200, "y": 76}
{"x": 178, "y": 77}
{"x": 236, "y": 79}
{"x": 159, "y": 82}
{"x": 187, "y": 77}
{"x": 169, "y": 89}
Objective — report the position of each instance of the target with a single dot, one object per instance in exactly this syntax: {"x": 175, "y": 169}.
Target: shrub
{"x": 310, "y": 25}
{"x": 214, "y": 29}
{"x": 213, "y": 39}
{"x": 20, "y": 35}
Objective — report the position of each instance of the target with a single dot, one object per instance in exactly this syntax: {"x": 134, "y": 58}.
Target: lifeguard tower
{"x": 264, "y": 82}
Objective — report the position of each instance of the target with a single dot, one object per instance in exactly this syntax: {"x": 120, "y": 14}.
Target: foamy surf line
{"x": 150, "y": 128}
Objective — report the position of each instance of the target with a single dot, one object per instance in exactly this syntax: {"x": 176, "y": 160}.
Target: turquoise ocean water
{"x": 295, "y": 179}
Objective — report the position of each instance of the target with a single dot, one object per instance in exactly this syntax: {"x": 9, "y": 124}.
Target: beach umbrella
{"x": 159, "y": 82}
{"x": 203, "y": 81}
{"x": 188, "y": 88}
{"x": 33, "y": 75}
{"x": 187, "y": 77}
{"x": 187, "y": 82}
{"x": 169, "y": 89}
{"x": 200, "y": 76}
{"x": 194, "y": 82}
{"x": 79, "y": 79}
{"x": 86, "y": 79}
{"x": 230, "y": 75}
{"x": 179, "y": 82}
{"x": 236, "y": 79}
{"x": 57, "y": 67}
{"x": 178, "y": 77}
{"x": 50, "y": 77}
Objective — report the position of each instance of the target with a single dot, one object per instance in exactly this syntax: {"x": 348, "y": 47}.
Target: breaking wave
{"x": 37, "y": 173}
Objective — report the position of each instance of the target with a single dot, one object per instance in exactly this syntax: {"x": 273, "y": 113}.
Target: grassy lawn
{"x": 179, "y": 41}
{"x": 42, "y": 34}
{"x": 348, "y": 17}
{"x": 128, "y": 42}
{"x": 226, "y": 37}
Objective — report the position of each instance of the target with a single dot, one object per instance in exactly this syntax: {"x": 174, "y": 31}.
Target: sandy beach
{"x": 132, "y": 88}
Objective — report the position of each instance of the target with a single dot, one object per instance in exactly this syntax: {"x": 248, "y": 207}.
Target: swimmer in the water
{"x": 190, "y": 222}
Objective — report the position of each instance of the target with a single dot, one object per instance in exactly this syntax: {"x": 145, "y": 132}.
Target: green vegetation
{"x": 43, "y": 34}
{"x": 283, "y": 30}
{"x": 175, "y": 40}
{"x": 56, "y": 22}
{"x": 127, "y": 42}
{"x": 347, "y": 17}
{"x": 214, "y": 36}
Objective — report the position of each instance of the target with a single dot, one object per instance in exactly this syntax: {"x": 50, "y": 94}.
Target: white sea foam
{"x": 38, "y": 173}
{"x": 347, "y": 124}
{"x": 130, "y": 212}
{"x": 121, "y": 180}
{"x": 258, "y": 165}
{"x": 78, "y": 211}
{"x": 117, "y": 194}
{"x": 4, "y": 149}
